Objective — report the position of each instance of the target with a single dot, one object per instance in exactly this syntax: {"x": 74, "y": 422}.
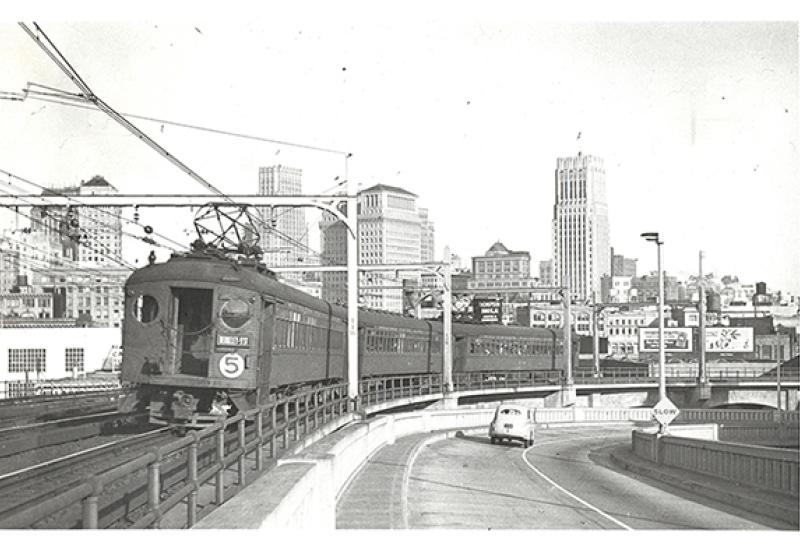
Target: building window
{"x": 27, "y": 360}
{"x": 73, "y": 359}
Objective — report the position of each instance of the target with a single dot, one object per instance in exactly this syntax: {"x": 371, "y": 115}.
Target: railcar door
{"x": 194, "y": 335}
{"x": 265, "y": 353}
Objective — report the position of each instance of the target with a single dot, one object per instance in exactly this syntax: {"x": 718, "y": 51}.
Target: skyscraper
{"x": 284, "y": 236}
{"x": 390, "y": 231}
{"x": 101, "y": 228}
{"x": 580, "y": 225}
{"x": 427, "y": 236}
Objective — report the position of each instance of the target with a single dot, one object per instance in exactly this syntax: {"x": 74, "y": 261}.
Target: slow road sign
{"x": 665, "y": 411}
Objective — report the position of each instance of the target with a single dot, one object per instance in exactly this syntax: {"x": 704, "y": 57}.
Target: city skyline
{"x": 669, "y": 106}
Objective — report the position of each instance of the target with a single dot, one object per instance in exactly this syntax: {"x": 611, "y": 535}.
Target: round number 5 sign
{"x": 231, "y": 365}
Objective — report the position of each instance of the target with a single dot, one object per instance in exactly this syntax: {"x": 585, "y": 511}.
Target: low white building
{"x": 31, "y": 354}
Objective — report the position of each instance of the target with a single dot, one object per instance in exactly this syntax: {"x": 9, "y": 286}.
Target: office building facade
{"x": 581, "y": 252}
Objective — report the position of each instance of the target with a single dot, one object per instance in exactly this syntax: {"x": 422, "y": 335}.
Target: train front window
{"x": 145, "y": 308}
{"x": 194, "y": 334}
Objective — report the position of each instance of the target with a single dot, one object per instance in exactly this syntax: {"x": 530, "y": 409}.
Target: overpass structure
{"x": 287, "y": 462}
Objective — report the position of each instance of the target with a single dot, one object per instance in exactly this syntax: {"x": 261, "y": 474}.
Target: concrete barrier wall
{"x": 302, "y": 490}
{"x": 780, "y": 435}
{"x": 762, "y": 467}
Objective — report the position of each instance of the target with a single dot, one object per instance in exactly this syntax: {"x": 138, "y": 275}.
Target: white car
{"x": 512, "y": 422}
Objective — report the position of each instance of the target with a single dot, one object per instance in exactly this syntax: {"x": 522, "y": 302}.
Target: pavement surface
{"x": 572, "y": 478}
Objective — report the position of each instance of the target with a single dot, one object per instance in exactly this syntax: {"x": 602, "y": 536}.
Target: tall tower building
{"x": 389, "y": 232}
{"x": 284, "y": 237}
{"x": 580, "y": 225}
{"x": 427, "y": 237}
{"x": 100, "y": 228}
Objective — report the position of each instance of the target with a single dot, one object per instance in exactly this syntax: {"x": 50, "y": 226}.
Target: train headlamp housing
{"x": 235, "y": 313}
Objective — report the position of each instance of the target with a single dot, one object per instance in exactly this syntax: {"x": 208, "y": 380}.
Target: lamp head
{"x": 651, "y": 236}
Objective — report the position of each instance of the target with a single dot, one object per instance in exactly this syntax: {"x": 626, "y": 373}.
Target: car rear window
{"x": 510, "y": 411}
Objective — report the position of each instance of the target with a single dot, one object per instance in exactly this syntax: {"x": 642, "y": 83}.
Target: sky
{"x": 697, "y": 121}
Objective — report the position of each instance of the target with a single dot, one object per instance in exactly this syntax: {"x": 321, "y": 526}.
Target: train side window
{"x": 145, "y": 308}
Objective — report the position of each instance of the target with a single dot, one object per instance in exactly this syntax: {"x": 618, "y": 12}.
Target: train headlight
{"x": 235, "y": 313}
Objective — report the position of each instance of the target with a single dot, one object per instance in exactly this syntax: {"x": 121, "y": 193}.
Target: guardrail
{"x": 748, "y": 416}
{"x": 760, "y": 467}
{"x": 47, "y": 389}
{"x": 376, "y": 390}
{"x": 274, "y": 427}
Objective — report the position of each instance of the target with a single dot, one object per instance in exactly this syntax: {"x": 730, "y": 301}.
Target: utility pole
{"x": 352, "y": 292}
{"x": 662, "y": 377}
{"x": 595, "y": 336}
{"x": 702, "y": 377}
{"x": 447, "y": 328}
{"x": 568, "y": 328}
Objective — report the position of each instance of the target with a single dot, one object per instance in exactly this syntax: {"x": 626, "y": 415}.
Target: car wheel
{"x": 493, "y": 440}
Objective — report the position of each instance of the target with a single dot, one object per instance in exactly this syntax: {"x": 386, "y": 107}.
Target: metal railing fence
{"x": 259, "y": 433}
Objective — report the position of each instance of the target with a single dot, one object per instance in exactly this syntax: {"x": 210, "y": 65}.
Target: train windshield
{"x": 194, "y": 334}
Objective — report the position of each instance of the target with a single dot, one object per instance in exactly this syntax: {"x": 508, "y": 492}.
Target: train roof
{"x": 468, "y": 329}
{"x": 206, "y": 268}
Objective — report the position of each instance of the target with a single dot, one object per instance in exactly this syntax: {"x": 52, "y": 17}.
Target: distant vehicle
{"x": 512, "y": 422}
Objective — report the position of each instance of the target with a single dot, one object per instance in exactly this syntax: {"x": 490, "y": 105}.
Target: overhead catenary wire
{"x": 55, "y": 263}
{"x": 78, "y": 203}
{"x": 88, "y": 96}
{"x": 117, "y": 259}
{"x": 80, "y": 242}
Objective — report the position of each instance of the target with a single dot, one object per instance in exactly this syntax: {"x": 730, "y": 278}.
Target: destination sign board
{"x": 675, "y": 339}
{"x": 232, "y": 341}
{"x": 729, "y": 339}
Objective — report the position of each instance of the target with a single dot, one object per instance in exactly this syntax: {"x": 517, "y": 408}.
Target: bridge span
{"x": 334, "y": 482}
{"x": 287, "y": 462}
{"x": 566, "y": 480}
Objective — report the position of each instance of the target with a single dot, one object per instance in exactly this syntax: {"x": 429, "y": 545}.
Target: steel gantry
{"x": 327, "y": 203}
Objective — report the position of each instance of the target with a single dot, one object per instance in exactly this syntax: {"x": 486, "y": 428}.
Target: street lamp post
{"x": 662, "y": 381}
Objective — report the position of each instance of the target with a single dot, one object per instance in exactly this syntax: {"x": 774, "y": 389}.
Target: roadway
{"x": 565, "y": 481}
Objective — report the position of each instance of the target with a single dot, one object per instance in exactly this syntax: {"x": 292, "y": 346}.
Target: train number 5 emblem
{"x": 231, "y": 365}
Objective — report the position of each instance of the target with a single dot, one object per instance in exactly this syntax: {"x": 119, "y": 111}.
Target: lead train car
{"x": 204, "y": 336}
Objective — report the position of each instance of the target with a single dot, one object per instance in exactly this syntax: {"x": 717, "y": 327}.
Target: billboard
{"x": 729, "y": 339}
{"x": 487, "y": 310}
{"x": 675, "y": 339}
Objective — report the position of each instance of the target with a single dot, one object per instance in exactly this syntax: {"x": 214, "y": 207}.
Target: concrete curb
{"x": 766, "y": 504}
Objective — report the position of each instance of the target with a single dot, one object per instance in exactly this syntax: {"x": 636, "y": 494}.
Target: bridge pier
{"x": 567, "y": 395}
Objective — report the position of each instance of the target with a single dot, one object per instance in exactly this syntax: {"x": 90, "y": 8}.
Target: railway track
{"x": 20, "y": 412}
{"x": 158, "y": 479}
{"x": 34, "y": 484}
{"x": 15, "y": 440}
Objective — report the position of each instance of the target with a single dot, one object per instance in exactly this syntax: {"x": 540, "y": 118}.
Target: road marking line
{"x": 569, "y": 494}
{"x": 416, "y": 450}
